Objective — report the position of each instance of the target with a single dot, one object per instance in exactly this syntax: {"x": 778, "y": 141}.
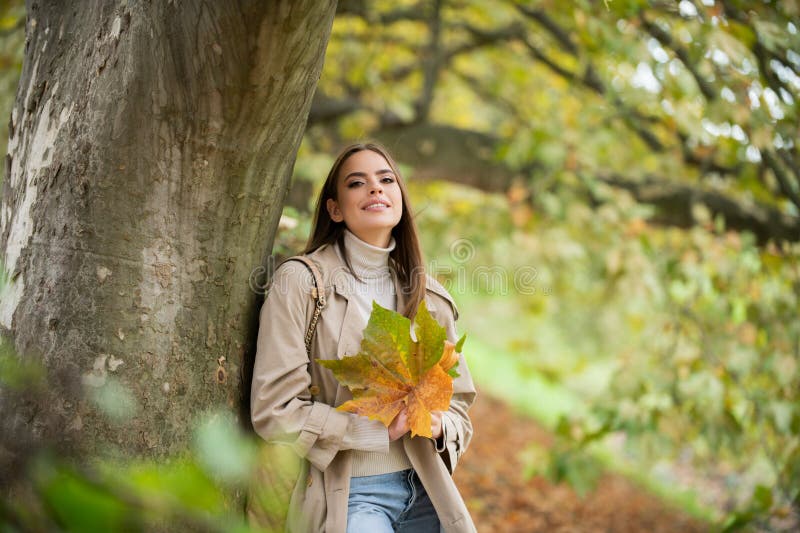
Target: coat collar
{"x": 337, "y": 278}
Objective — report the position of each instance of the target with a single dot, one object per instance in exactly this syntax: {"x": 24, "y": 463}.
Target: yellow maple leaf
{"x": 392, "y": 371}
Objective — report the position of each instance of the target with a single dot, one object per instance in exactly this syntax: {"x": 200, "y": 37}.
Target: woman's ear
{"x": 333, "y": 210}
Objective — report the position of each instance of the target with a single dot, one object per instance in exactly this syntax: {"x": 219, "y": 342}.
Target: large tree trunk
{"x": 150, "y": 149}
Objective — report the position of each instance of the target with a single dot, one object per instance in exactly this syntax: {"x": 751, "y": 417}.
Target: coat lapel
{"x": 350, "y": 335}
{"x": 348, "y": 338}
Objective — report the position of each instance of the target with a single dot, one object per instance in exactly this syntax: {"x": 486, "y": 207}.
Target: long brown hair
{"x": 406, "y": 258}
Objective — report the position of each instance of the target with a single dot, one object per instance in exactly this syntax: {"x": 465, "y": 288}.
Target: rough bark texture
{"x": 151, "y": 144}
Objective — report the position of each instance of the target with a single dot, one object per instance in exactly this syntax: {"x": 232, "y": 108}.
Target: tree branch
{"x": 431, "y": 63}
{"x": 787, "y": 187}
{"x": 790, "y": 160}
{"x": 466, "y": 157}
{"x": 326, "y": 109}
{"x": 760, "y": 51}
{"x": 705, "y": 164}
{"x": 482, "y": 39}
{"x": 632, "y": 117}
{"x": 674, "y": 202}
{"x": 361, "y": 8}
{"x": 435, "y": 59}
{"x": 560, "y": 35}
{"x": 478, "y": 88}
{"x": 460, "y": 156}
{"x": 666, "y": 40}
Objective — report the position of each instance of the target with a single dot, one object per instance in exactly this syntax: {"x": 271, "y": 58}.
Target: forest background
{"x": 611, "y": 192}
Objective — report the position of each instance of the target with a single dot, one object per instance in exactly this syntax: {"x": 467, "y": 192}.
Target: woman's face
{"x": 369, "y": 200}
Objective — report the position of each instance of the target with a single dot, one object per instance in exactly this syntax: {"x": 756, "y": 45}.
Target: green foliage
{"x": 12, "y": 40}
{"x": 137, "y": 495}
{"x": 114, "y": 492}
{"x": 222, "y": 450}
{"x": 683, "y": 343}
{"x": 563, "y": 462}
{"x": 18, "y": 373}
{"x": 77, "y": 504}
{"x": 193, "y": 492}
{"x": 293, "y": 231}
{"x": 681, "y": 91}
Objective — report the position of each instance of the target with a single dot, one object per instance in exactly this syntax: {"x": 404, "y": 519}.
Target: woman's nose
{"x": 376, "y": 188}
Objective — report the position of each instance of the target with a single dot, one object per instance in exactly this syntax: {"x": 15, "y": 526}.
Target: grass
{"x": 497, "y": 372}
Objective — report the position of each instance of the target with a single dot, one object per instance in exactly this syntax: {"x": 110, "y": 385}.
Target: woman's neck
{"x": 380, "y": 237}
{"x": 367, "y": 261}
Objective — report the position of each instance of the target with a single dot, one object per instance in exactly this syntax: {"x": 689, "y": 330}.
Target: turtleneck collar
{"x": 367, "y": 261}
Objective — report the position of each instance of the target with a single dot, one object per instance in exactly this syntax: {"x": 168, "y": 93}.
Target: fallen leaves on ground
{"x": 491, "y": 479}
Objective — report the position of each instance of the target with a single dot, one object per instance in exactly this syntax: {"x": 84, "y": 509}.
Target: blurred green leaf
{"x": 19, "y": 373}
{"x": 222, "y": 448}
{"x": 115, "y": 400}
{"x": 79, "y": 505}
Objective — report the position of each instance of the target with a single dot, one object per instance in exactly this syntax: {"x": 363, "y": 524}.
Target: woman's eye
{"x": 354, "y": 184}
{"x": 388, "y": 179}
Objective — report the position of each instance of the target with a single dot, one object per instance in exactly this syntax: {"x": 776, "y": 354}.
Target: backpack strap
{"x": 317, "y": 293}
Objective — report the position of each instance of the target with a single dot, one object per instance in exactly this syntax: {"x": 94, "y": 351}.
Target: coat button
{"x": 314, "y": 390}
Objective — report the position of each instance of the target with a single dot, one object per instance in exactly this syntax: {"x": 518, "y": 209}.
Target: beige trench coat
{"x": 295, "y": 399}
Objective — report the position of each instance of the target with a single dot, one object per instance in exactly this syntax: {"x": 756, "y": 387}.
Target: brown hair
{"x": 406, "y": 258}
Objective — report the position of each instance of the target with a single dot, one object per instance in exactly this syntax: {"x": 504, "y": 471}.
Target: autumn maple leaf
{"x": 392, "y": 370}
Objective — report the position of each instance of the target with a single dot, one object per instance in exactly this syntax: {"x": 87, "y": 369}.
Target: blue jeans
{"x": 390, "y": 502}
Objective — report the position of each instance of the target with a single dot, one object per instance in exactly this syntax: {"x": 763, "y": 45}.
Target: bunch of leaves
{"x": 392, "y": 371}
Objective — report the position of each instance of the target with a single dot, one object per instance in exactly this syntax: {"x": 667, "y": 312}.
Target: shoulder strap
{"x": 317, "y": 293}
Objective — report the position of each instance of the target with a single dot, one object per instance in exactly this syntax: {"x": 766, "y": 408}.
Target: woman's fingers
{"x": 436, "y": 424}
{"x": 399, "y": 425}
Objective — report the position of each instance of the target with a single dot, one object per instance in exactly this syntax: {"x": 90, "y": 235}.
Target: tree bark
{"x": 151, "y": 146}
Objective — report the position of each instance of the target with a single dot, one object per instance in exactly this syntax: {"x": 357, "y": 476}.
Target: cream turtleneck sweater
{"x": 373, "y": 454}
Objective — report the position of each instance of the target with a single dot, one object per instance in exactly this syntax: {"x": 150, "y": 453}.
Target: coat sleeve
{"x": 456, "y": 424}
{"x": 281, "y": 406}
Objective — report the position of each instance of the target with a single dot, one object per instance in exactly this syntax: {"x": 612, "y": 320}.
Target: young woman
{"x": 357, "y": 475}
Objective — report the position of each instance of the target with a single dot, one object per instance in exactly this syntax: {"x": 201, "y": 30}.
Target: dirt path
{"x": 490, "y": 477}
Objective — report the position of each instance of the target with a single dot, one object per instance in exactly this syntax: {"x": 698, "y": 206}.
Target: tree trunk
{"x": 150, "y": 150}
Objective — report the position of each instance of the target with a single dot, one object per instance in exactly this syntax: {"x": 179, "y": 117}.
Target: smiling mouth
{"x": 376, "y": 206}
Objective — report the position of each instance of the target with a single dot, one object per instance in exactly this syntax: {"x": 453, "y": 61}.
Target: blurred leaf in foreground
{"x": 223, "y": 450}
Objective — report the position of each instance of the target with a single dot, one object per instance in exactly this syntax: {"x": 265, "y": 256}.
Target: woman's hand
{"x": 399, "y": 425}
{"x": 436, "y": 424}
